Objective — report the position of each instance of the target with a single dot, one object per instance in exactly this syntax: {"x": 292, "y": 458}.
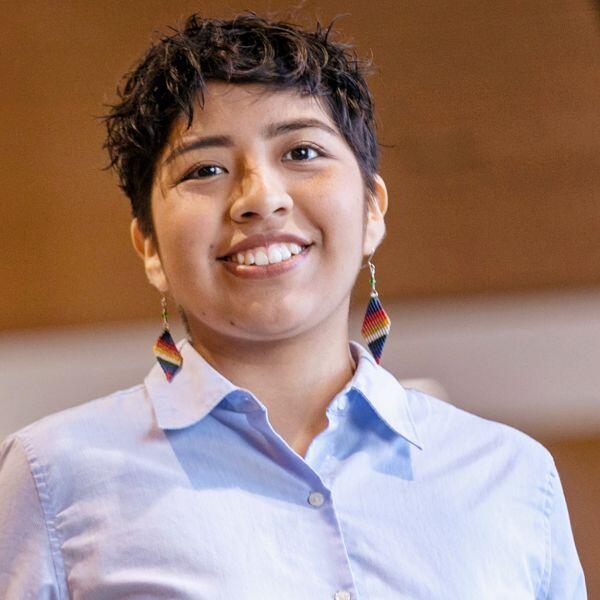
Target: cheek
{"x": 340, "y": 216}
{"x": 187, "y": 238}
{"x": 335, "y": 189}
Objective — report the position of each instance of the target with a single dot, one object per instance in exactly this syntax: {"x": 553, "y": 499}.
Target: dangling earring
{"x": 376, "y": 324}
{"x": 165, "y": 350}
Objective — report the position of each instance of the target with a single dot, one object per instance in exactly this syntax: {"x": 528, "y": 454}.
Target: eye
{"x": 303, "y": 152}
{"x": 202, "y": 172}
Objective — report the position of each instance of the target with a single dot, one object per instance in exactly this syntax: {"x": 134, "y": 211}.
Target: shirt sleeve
{"x": 26, "y": 563}
{"x": 565, "y": 578}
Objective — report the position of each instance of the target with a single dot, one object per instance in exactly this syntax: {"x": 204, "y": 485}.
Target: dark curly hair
{"x": 246, "y": 49}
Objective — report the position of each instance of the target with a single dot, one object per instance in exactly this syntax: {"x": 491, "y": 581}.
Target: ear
{"x": 375, "y": 226}
{"x": 148, "y": 252}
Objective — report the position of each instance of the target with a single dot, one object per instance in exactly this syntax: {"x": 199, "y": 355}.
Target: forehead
{"x": 246, "y": 106}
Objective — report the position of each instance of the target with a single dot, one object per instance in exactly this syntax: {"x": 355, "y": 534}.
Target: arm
{"x": 563, "y": 579}
{"x": 27, "y": 567}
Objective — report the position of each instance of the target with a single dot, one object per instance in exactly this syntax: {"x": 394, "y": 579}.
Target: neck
{"x": 295, "y": 378}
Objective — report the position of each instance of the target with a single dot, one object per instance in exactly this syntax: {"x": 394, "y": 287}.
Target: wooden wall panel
{"x": 488, "y": 111}
{"x": 578, "y": 463}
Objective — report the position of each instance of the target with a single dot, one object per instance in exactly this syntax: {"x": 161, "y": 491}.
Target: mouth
{"x": 263, "y": 262}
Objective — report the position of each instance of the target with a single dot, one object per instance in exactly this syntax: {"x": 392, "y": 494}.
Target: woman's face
{"x": 259, "y": 160}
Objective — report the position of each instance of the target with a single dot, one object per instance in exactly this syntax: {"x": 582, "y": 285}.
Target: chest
{"x": 279, "y": 531}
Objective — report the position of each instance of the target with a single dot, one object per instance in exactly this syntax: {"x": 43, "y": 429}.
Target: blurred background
{"x": 489, "y": 114}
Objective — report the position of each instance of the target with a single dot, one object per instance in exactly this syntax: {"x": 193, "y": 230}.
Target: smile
{"x": 262, "y": 262}
{"x": 261, "y": 255}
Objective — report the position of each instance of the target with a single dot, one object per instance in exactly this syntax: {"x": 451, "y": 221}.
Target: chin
{"x": 268, "y": 331}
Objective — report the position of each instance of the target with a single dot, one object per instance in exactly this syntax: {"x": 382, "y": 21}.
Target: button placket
{"x": 342, "y": 595}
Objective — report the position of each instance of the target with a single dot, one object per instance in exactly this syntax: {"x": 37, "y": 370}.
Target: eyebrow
{"x": 268, "y": 132}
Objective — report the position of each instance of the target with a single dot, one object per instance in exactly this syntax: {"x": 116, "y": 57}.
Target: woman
{"x": 267, "y": 455}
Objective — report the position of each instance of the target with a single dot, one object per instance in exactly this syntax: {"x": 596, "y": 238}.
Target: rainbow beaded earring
{"x": 376, "y": 325}
{"x": 165, "y": 350}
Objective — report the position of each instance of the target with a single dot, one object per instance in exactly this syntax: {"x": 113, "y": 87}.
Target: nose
{"x": 260, "y": 195}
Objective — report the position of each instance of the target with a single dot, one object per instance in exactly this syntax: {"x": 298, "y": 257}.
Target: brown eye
{"x": 303, "y": 153}
{"x": 202, "y": 172}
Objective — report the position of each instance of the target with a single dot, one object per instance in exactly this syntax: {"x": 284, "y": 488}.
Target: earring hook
{"x": 368, "y": 260}
{"x": 163, "y": 302}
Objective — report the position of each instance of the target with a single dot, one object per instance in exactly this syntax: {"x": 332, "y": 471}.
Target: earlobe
{"x": 377, "y": 207}
{"x": 146, "y": 249}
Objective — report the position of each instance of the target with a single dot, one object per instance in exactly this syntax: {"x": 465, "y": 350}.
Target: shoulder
{"x": 488, "y": 472}
{"x": 102, "y": 422}
{"x": 447, "y": 430}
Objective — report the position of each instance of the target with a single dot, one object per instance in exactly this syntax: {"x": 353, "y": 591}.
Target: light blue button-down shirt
{"x": 185, "y": 491}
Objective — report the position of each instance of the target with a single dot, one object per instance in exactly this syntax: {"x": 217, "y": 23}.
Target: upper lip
{"x": 265, "y": 239}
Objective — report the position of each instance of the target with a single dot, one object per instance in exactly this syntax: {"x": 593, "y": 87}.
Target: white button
{"x": 316, "y": 498}
{"x": 342, "y": 595}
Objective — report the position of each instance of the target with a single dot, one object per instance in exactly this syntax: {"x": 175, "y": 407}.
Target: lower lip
{"x": 265, "y": 271}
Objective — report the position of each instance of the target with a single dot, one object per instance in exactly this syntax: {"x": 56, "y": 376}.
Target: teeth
{"x": 274, "y": 254}
{"x": 263, "y": 256}
{"x": 260, "y": 257}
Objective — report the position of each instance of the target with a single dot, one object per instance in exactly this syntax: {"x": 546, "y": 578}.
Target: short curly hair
{"x": 173, "y": 72}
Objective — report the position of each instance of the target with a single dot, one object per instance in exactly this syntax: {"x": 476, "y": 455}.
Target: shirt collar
{"x": 198, "y": 387}
{"x": 384, "y": 393}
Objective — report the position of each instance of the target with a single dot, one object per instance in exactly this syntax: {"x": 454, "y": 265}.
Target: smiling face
{"x": 259, "y": 160}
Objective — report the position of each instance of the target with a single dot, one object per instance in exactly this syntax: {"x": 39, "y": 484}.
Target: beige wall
{"x": 489, "y": 116}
